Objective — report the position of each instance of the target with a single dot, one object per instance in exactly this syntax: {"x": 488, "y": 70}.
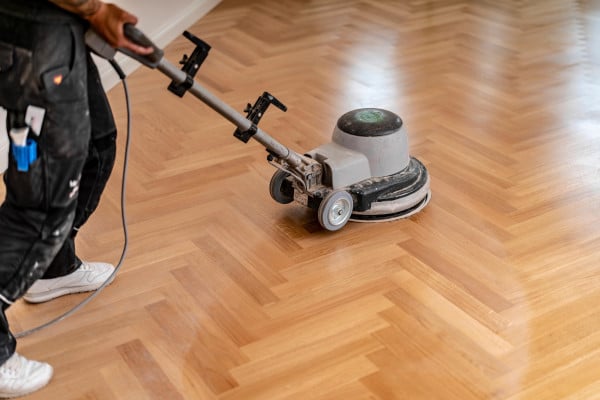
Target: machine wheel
{"x": 335, "y": 210}
{"x": 276, "y": 188}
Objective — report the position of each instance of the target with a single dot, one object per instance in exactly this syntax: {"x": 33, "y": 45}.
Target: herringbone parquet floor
{"x": 489, "y": 293}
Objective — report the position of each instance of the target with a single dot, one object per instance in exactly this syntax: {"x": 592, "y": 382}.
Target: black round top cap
{"x": 369, "y": 122}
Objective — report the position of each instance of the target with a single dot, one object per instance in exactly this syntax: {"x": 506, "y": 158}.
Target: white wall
{"x": 162, "y": 21}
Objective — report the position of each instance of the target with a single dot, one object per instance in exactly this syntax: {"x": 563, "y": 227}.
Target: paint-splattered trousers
{"x": 44, "y": 63}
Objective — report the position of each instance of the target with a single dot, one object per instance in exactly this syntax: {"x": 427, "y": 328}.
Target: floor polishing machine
{"x": 364, "y": 174}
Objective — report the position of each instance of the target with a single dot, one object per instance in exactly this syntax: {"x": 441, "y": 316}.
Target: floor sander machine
{"x": 364, "y": 174}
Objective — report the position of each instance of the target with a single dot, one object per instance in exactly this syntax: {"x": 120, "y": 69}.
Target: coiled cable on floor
{"x": 79, "y": 306}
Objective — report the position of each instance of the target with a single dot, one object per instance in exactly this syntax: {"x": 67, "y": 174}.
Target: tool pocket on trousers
{"x": 26, "y": 188}
{"x": 15, "y": 67}
{"x": 61, "y": 65}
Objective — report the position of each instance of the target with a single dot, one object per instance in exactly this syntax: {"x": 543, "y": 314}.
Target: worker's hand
{"x": 108, "y": 22}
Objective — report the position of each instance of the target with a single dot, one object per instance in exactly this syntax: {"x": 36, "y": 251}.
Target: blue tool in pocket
{"x": 24, "y": 150}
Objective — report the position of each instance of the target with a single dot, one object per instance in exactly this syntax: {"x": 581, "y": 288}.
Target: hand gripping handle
{"x": 135, "y": 35}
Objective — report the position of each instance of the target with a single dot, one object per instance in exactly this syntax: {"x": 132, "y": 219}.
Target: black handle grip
{"x": 135, "y": 35}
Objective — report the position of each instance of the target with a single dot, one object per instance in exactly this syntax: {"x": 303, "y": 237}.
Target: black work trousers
{"x": 44, "y": 63}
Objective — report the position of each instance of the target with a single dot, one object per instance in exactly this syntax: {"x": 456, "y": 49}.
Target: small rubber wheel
{"x": 335, "y": 210}
{"x": 275, "y": 188}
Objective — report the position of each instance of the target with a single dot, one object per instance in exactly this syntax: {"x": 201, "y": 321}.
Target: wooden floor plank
{"x": 489, "y": 293}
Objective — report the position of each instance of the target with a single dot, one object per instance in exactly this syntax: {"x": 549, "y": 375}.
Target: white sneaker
{"x": 89, "y": 276}
{"x": 20, "y": 376}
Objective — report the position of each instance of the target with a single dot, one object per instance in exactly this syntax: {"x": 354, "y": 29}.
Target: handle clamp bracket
{"x": 255, "y": 113}
{"x": 191, "y": 65}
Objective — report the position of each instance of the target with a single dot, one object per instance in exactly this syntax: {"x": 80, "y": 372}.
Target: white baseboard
{"x": 162, "y": 21}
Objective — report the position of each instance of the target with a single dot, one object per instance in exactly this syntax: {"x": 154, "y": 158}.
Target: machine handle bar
{"x": 156, "y": 60}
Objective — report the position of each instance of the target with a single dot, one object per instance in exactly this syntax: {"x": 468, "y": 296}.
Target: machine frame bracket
{"x": 191, "y": 65}
{"x": 255, "y": 113}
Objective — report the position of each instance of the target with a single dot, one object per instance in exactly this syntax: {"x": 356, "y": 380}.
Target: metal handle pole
{"x": 290, "y": 156}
